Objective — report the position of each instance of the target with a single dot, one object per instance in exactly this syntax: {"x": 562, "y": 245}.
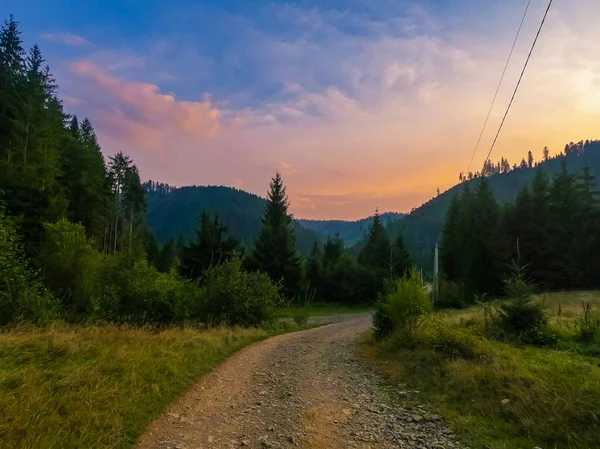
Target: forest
{"x": 422, "y": 228}
{"x": 75, "y": 244}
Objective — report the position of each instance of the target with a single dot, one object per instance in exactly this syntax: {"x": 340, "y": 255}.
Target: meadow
{"x": 501, "y": 394}
{"x": 99, "y": 386}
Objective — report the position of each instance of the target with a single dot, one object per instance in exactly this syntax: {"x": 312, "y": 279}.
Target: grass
{"x": 324, "y": 309}
{"x": 502, "y": 395}
{"x": 100, "y": 386}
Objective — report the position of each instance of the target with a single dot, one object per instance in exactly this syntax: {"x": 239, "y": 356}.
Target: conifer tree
{"x": 400, "y": 261}
{"x": 332, "y": 250}
{"x": 376, "y": 252}
{"x": 213, "y": 246}
{"x": 564, "y": 210}
{"x": 450, "y": 248}
{"x": 275, "y": 248}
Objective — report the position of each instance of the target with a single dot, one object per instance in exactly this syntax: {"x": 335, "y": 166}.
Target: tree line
{"x": 503, "y": 165}
{"x": 552, "y": 228}
{"x": 74, "y": 243}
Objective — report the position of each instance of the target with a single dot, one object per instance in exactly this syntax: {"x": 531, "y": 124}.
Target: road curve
{"x": 304, "y": 389}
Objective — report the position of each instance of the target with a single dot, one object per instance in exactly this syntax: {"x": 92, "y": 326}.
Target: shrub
{"x": 453, "y": 343}
{"x": 22, "y": 295}
{"x": 70, "y": 266}
{"x": 521, "y": 316}
{"x": 450, "y": 295}
{"x": 133, "y": 290}
{"x": 238, "y": 297}
{"x": 402, "y": 308}
{"x": 301, "y": 316}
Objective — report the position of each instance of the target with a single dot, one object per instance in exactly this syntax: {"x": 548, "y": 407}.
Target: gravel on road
{"x": 305, "y": 389}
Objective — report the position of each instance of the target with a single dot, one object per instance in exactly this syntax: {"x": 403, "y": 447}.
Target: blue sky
{"x": 360, "y": 103}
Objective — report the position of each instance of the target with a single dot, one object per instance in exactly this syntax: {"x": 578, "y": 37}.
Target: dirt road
{"x": 304, "y": 389}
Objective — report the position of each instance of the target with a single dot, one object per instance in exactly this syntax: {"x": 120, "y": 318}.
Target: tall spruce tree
{"x": 565, "y": 226}
{"x": 450, "y": 245}
{"x": 485, "y": 265}
{"x": 400, "y": 261}
{"x": 213, "y": 246}
{"x": 376, "y": 252}
{"x": 275, "y": 248}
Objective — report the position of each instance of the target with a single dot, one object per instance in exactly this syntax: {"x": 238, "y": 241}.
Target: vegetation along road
{"x": 304, "y": 389}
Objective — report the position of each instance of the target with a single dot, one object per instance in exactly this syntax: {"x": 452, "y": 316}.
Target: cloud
{"x": 139, "y": 114}
{"x": 287, "y": 169}
{"x": 65, "y": 38}
{"x": 374, "y": 107}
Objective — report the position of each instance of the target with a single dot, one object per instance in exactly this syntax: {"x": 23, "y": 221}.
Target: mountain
{"x": 422, "y": 227}
{"x": 175, "y": 211}
{"x": 351, "y": 232}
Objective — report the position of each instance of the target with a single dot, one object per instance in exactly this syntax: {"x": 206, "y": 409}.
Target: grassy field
{"x": 323, "y": 309}
{"x": 503, "y": 395}
{"x": 100, "y": 386}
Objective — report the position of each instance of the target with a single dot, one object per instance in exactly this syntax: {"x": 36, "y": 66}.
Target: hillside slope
{"x": 351, "y": 232}
{"x": 175, "y": 211}
{"x": 422, "y": 227}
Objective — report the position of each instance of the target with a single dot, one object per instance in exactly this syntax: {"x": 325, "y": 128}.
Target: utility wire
{"x": 519, "y": 82}
{"x": 499, "y": 84}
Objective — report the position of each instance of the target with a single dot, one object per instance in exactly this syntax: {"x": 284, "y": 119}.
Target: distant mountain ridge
{"x": 351, "y": 232}
{"x": 172, "y": 212}
{"x": 422, "y": 227}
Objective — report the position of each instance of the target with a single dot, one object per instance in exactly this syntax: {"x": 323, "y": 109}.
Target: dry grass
{"x": 100, "y": 386}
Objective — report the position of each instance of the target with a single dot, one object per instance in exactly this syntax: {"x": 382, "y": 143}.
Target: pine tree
{"x": 213, "y": 245}
{"x": 119, "y": 165}
{"x": 450, "y": 249}
{"x": 85, "y": 180}
{"x": 564, "y": 211}
{"x": 275, "y": 250}
{"x": 376, "y": 252}
{"x": 546, "y": 153}
{"x": 530, "y": 159}
{"x": 400, "y": 261}
{"x": 332, "y": 250}
{"x": 484, "y": 260}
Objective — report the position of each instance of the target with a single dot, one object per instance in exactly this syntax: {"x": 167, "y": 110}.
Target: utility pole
{"x": 435, "y": 273}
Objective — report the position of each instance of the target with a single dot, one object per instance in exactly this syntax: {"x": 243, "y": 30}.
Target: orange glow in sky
{"x": 353, "y": 120}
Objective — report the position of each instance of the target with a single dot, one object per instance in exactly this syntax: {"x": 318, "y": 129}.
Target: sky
{"x": 360, "y": 104}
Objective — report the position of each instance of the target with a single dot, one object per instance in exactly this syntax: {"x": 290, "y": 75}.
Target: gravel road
{"x": 305, "y": 389}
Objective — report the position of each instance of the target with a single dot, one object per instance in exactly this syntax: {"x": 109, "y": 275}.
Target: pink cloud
{"x": 142, "y": 116}
{"x": 65, "y": 38}
{"x": 287, "y": 169}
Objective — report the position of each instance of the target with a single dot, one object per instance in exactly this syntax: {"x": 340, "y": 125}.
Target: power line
{"x": 499, "y": 84}
{"x": 519, "y": 82}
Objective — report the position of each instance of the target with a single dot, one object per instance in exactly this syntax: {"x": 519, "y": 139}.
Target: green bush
{"x": 450, "y": 295}
{"x": 453, "y": 343}
{"x": 133, "y": 290}
{"x": 402, "y": 309}
{"x": 238, "y": 297}
{"x": 301, "y": 316}
{"x": 22, "y": 295}
{"x": 70, "y": 266}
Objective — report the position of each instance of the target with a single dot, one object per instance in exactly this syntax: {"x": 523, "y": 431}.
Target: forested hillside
{"x": 351, "y": 232}
{"x": 422, "y": 227}
{"x": 173, "y": 212}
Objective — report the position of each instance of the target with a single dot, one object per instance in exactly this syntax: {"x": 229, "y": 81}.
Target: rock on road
{"x": 304, "y": 389}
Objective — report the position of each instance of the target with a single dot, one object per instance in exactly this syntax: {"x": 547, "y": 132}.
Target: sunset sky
{"x": 358, "y": 103}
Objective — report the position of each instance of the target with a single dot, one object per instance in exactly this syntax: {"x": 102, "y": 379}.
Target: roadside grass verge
{"x": 506, "y": 396}
{"x": 100, "y": 386}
